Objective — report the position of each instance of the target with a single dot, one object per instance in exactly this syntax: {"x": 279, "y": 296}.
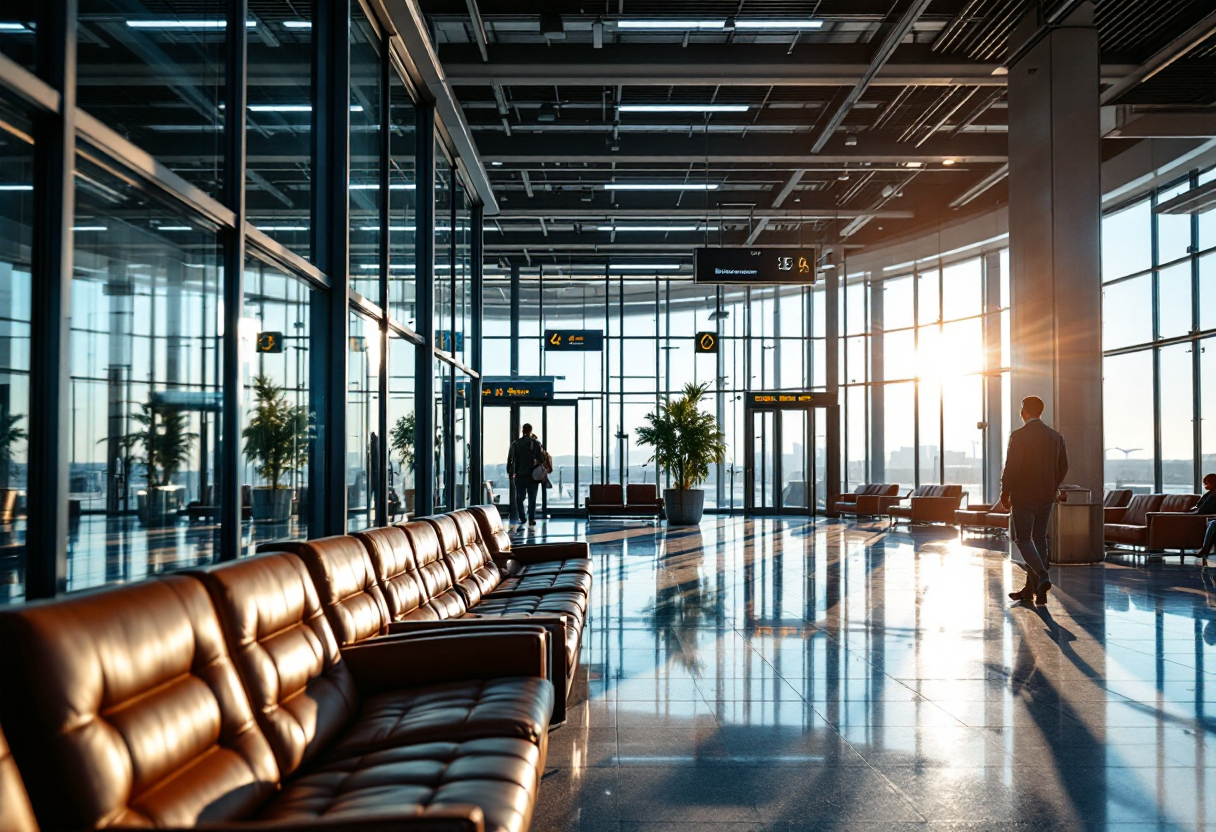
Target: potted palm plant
{"x": 686, "y": 442}
{"x": 10, "y": 434}
{"x": 164, "y": 433}
{"x": 401, "y": 439}
{"x": 276, "y": 442}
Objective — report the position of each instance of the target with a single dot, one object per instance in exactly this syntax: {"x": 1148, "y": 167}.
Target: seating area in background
{"x": 1156, "y": 523}
{"x": 402, "y": 677}
{"x": 868, "y": 500}
{"x": 928, "y": 504}
{"x": 633, "y": 501}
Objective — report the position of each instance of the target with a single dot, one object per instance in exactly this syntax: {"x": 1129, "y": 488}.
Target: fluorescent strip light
{"x": 292, "y": 108}
{"x": 90, "y": 228}
{"x": 644, "y": 267}
{"x": 16, "y": 187}
{"x": 661, "y": 186}
{"x": 175, "y": 228}
{"x": 281, "y": 227}
{"x": 778, "y": 24}
{"x": 14, "y": 27}
{"x": 297, "y": 24}
{"x": 671, "y": 24}
{"x": 375, "y": 186}
{"x": 684, "y": 108}
{"x": 390, "y": 228}
{"x": 185, "y": 24}
{"x": 621, "y": 228}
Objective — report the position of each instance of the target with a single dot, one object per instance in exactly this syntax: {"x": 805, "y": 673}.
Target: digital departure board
{"x": 754, "y": 266}
{"x": 503, "y": 388}
{"x": 793, "y": 399}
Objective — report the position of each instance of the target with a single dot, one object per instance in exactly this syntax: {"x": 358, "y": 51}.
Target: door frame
{"x": 775, "y": 402}
{"x": 544, "y": 404}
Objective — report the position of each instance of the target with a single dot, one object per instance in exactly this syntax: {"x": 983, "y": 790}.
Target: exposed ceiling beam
{"x": 788, "y": 188}
{"x": 706, "y": 65}
{"x": 603, "y": 216}
{"x": 761, "y": 149}
{"x": 885, "y": 51}
{"x": 1174, "y": 50}
{"x": 981, "y": 186}
{"x": 479, "y": 29}
{"x": 755, "y": 232}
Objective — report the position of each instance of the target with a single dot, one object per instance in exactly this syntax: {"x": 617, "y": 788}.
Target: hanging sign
{"x": 574, "y": 340}
{"x": 270, "y": 342}
{"x": 503, "y": 388}
{"x": 791, "y": 399}
{"x": 707, "y": 342}
{"x": 754, "y": 266}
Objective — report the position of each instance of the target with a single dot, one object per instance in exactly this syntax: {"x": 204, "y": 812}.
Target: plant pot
{"x": 160, "y": 508}
{"x": 684, "y": 508}
{"x": 271, "y": 505}
{"x": 8, "y": 505}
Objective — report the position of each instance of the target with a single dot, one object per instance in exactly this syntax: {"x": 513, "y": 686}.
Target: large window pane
{"x": 1207, "y": 392}
{"x": 856, "y": 473}
{"x": 155, "y": 72}
{"x": 365, "y": 197}
{"x": 963, "y": 410}
{"x": 364, "y": 447}
{"x": 1173, "y": 230}
{"x": 1127, "y": 313}
{"x": 1174, "y": 300}
{"x": 278, "y": 424}
{"x": 145, "y": 397}
{"x": 401, "y": 203}
{"x": 1128, "y": 420}
{"x": 402, "y": 437}
{"x": 1207, "y": 292}
{"x": 930, "y": 427}
{"x": 928, "y": 297}
{"x": 897, "y": 306}
{"x": 1127, "y": 243}
{"x": 899, "y": 436}
{"x": 16, "y": 236}
{"x": 1177, "y": 419}
{"x": 279, "y": 122}
{"x": 443, "y": 249}
{"x": 962, "y": 290}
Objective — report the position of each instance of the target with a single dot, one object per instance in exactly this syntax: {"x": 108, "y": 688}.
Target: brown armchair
{"x": 982, "y": 517}
{"x": 929, "y": 504}
{"x": 643, "y": 499}
{"x": 867, "y": 500}
{"x": 606, "y": 500}
{"x": 1156, "y": 522}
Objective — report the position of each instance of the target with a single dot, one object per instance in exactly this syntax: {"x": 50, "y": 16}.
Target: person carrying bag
{"x": 526, "y": 466}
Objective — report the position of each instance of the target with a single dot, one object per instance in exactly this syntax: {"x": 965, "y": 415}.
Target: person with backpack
{"x": 526, "y": 465}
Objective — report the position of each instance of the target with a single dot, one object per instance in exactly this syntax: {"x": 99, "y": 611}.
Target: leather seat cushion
{"x": 554, "y": 567}
{"x": 900, "y": 511}
{"x": 1178, "y": 502}
{"x": 970, "y": 517}
{"x": 565, "y": 581}
{"x": 1128, "y": 535}
{"x": 500, "y": 775}
{"x": 513, "y": 708}
{"x": 558, "y": 603}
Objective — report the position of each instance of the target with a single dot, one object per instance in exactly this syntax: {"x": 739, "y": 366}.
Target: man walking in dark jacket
{"x": 1035, "y": 465}
{"x": 524, "y": 455}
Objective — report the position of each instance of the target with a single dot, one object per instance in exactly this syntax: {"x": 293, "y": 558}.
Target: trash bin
{"x": 1076, "y": 528}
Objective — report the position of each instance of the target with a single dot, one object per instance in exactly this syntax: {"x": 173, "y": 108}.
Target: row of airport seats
{"x": 925, "y": 504}
{"x": 400, "y": 678}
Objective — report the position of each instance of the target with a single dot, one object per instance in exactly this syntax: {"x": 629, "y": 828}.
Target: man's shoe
{"x": 532, "y": 524}
{"x": 1040, "y": 595}
{"x": 1026, "y": 593}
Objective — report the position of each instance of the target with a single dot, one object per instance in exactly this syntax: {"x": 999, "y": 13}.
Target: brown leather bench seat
{"x": 534, "y": 566}
{"x": 222, "y": 696}
{"x": 403, "y": 579}
{"x": 929, "y": 504}
{"x": 1156, "y": 522}
{"x": 609, "y": 500}
{"x": 868, "y": 500}
{"x": 981, "y": 517}
{"x": 16, "y": 814}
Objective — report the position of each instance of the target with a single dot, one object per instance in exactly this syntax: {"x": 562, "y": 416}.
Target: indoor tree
{"x": 686, "y": 442}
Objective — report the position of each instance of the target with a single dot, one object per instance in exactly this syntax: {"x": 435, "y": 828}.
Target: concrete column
{"x": 1054, "y": 214}
{"x": 878, "y": 406}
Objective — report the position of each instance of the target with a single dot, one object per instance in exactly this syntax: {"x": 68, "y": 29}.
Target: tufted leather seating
{"x": 868, "y": 500}
{"x": 535, "y": 566}
{"x": 222, "y": 697}
{"x": 1156, "y": 522}
{"x": 982, "y": 518}
{"x": 376, "y": 583}
{"x": 929, "y": 504}
{"x": 16, "y": 814}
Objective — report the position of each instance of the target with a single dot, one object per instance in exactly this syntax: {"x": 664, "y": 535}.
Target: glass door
{"x": 785, "y": 470}
{"x": 559, "y": 435}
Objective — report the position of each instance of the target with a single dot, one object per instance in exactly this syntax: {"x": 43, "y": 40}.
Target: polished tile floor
{"x": 785, "y": 675}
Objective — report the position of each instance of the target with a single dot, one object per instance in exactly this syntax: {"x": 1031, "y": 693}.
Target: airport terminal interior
{"x": 282, "y": 282}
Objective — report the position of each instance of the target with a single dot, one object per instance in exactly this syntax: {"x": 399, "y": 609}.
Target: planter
{"x": 8, "y": 505}
{"x": 160, "y": 506}
{"x": 684, "y": 508}
{"x": 271, "y": 505}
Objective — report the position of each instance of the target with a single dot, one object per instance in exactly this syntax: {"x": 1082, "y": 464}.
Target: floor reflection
{"x": 791, "y": 675}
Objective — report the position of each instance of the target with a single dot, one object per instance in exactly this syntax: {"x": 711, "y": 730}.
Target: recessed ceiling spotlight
{"x": 496, "y": 164}
{"x": 947, "y": 162}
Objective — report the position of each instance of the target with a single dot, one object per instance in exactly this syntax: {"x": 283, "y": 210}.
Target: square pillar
{"x": 1054, "y": 226}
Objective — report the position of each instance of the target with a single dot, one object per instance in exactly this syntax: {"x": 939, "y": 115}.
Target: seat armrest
{"x": 1113, "y": 515}
{"x": 435, "y": 658}
{"x": 545, "y": 552}
{"x": 1176, "y": 530}
{"x": 451, "y": 817}
{"x": 876, "y": 504}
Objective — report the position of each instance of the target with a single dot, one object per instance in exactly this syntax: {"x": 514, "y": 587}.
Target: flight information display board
{"x": 502, "y": 388}
{"x": 792, "y": 399}
{"x": 754, "y": 266}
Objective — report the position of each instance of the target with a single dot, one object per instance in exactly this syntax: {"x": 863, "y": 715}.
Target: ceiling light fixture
{"x": 281, "y": 227}
{"x": 671, "y": 24}
{"x": 496, "y": 164}
{"x": 850, "y": 140}
{"x": 14, "y": 27}
{"x": 684, "y": 108}
{"x": 297, "y": 24}
{"x": 779, "y": 24}
{"x": 185, "y": 24}
{"x": 623, "y": 228}
{"x": 661, "y": 186}
{"x": 947, "y": 162}
{"x": 292, "y": 108}
{"x": 90, "y": 228}
{"x": 175, "y": 228}
{"x": 375, "y": 186}
{"x": 16, "y": 187}
{"x": 644, "y": 267}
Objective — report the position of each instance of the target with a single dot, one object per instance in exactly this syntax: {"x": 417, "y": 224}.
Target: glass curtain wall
{"x": 156, "y": 363}
{"x": 1158, "y": 323}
